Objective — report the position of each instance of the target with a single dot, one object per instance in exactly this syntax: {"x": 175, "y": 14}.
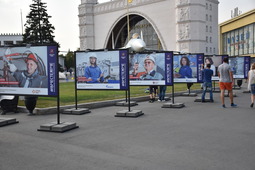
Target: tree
{"x": 69, "y": 60}
{"x": 38, "y": 29}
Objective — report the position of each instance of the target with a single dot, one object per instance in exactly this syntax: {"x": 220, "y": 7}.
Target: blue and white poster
{"x": 187, "y": 68}
{"x": 151, "y": 69}
{"x": 102, "y": 70}
{"x": 29, "y": 70}
{"x": 240, "y": 66}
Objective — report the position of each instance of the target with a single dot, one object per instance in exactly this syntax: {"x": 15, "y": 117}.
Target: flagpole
{"x": 128, "y": 26}
{"x": 21, "y": 21}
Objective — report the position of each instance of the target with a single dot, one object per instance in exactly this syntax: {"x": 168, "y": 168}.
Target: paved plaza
{"x": 200, "y": 136}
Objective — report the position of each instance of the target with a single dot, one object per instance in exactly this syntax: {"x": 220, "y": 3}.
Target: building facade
{"x": 10, "y": 39}
{"x": 189, "y": 26}
{"x": 237, "y": 35}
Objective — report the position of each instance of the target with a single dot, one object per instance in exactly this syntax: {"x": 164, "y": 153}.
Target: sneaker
{"x": 30, "y": 114}
{"x": 151, "y": 101}
{"x": 224, "y": 106}
{"x": 159, "y": 100}
{"x": 252, "y": 104}
{"x": 233, "y": 105}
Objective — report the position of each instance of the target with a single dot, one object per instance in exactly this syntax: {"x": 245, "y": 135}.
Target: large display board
{"x": 151, "y": 68}
{"x": 102, "y": 70}
{"x": 252, "y": 60}
{"x": 188, "y": 68}
{"x": 215, "y": 61}
{"x": 240, "y": 66}
{"x": 29, "y": 70}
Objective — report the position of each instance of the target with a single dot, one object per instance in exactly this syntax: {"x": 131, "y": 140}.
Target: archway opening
{"x": 138, "y": 24}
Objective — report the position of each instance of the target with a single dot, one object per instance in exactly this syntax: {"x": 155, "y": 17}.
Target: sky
{"x": 65, "y": 17}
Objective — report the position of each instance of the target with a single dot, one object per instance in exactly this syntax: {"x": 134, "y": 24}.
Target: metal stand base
{"x": 236, "y": 88}
{"x": 60, "y": 128}
{"x": 7, "y": 121}
{"x": 173, "y": 105}
{"x": 198, "y": 99}
{"x": 189, "y": 94}
{"x": 226, "y": 95}
{"x": 132, "y": 113}
{"x": 79, "y": 111}
{"x": 167, "y": 98}
{"x": 124, "y": 103}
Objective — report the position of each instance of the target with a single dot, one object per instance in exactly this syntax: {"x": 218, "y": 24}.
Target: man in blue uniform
{"x": 93, "y": 72}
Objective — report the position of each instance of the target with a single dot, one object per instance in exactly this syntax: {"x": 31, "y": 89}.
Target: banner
{"x": 151, "y": 68}
{"x": 29, "y": 70}
{"x": 240, "y": 66}
{"x": 102, "y": 70}
{"x": 187, "y": 68}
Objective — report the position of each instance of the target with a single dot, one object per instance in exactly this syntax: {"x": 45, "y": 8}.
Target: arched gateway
{"x": 174, "y": 25}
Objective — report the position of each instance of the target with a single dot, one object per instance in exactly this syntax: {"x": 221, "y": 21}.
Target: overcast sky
{"x": 65, "y": 17}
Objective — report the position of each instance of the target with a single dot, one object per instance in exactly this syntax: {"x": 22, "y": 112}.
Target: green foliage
{"x": 38, "y": 29}
{"x": 69, "y": 60}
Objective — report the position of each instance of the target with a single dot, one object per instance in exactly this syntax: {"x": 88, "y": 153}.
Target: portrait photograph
{"x": 147, "y": 69}
{"x": 101, "y": 69}
{"x": 186, "y": 67}
{"x": 33, "y": 69}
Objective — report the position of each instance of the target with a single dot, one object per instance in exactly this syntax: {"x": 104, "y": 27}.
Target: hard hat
{"x": 31, "y": 56}
{"x": 93, "y": 55}
{"x": 148, "y": 57}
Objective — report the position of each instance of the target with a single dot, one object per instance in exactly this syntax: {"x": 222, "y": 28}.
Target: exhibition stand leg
{"x": 214, "y": 88}
{"x": 189, "y": 93}
{"x": 58, "y": 126}
{"x": 173, "y": 104}
{"x": 126, "y": 103}
{"x": 76, "y": 110}
{"x": 129, "y": 112}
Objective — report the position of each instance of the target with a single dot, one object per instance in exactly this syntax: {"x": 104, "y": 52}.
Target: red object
{"x": 2, "y": 81}
{"x": 32, "y": 57}
{"x": 83, "y": 79}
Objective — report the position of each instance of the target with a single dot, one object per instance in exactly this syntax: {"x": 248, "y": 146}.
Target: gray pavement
{"x": 200, "y": 136}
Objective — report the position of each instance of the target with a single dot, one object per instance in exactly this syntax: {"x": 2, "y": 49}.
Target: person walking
{"x": 251, "y": 83}
{"x": 226, "y": 81}
{"x": 207, "y": 85}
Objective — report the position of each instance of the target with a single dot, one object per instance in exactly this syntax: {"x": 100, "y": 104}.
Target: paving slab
{"x": 198, "y": 136}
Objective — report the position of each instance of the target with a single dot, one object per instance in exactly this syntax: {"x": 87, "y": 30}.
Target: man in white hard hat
{"x": 151, "y": 74}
